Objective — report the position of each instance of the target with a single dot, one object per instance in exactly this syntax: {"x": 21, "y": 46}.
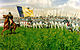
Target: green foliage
{"x": 40, "y": 39}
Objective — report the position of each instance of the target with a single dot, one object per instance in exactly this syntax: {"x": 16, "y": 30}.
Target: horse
{"x": 7, "y": 25}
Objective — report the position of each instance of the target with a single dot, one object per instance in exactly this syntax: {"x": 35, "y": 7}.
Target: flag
{"x": 25, "y": 12}
{"x": 19, "y": 8}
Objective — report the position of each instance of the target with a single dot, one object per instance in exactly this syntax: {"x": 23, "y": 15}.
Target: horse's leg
{"x": 3, "y": 31}
{"x": 14, "y": 27}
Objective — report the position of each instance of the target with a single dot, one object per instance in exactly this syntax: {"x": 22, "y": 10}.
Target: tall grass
{"x": 40, "y": 39}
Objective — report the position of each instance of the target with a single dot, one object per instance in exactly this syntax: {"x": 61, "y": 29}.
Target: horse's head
{"x": 5, "y": 16}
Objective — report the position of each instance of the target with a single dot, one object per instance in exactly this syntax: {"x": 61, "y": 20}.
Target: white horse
{"x": 37, "y": 24}
{"x": 55, "y": 24}
{"x": 59, "y": 25}
{"x": 22, "y": 23}
{"x": 40, "y": 24}
{"x": 77, "y": 27}
{"x": 62, "y": 25}
{"x": 52, "y": 24}
{"x": 34, "y": 24}
{"x": 73, "y": 26}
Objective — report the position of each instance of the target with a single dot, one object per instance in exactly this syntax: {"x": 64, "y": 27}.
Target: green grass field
{"x": 40, "y": 39}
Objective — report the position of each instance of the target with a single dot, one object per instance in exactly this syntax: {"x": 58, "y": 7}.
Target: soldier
{"x": 11, "y": 18}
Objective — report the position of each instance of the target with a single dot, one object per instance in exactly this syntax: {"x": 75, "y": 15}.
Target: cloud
{"x": 58, "y": 2}
{"x": 8, "y": 4}
{"x": 34, "y": 3}
{"x": 46, "y": 3}
{"x": 40, "y": 3}
{"x": 72, "y": 7}
{"x": 11, "y": 4}
{"x": 72, "y": 3}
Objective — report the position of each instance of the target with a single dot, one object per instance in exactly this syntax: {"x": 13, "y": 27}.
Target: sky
{"x": 65, "y": 4}
{"x": 41, "y": 3}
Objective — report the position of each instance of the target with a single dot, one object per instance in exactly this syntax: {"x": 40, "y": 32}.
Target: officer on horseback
{"x": 9, "y": 23}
